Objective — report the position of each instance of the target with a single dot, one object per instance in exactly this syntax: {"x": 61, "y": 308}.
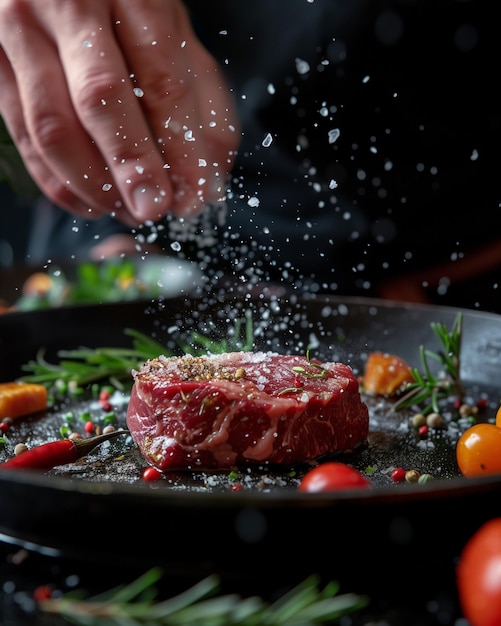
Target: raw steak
{"x": 243, "y": 409}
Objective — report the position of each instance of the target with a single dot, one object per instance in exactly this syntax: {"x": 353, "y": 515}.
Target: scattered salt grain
{"x": 334, "y": 134}
{"x": 267, "y": 141}
{"x": 302, "y": 66}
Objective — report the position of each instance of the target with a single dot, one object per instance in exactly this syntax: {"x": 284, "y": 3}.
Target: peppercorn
{"x": 425, "y": 478}
{"x": 412, "y": 476}
{"x": 20, "y": 448}
{"x": 418, "y": 420}
{"x": 398, "y": 475}
{"x": 423, "y": 431}
{"x": 434, "y": 420}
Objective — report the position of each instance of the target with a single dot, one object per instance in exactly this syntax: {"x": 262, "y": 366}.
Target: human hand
{"x": 115, "y": 106}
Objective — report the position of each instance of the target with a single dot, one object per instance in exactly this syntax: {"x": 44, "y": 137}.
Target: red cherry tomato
{"x": 151, "y": 474}
{"x": 478, "y": 450}
{"x": 478, "y": 576}
{"x": 332, "y": 476}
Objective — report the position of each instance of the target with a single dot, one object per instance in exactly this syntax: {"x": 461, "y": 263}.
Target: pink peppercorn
{"x": 398, "y": 475}
{"x": 423, "y": 431}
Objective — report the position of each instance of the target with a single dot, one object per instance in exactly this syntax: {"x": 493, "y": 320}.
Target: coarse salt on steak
{"x": 243, "y": 408}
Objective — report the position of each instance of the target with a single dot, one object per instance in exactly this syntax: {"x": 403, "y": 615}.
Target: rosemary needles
{"x": 135, "y": 604}
{"x": 429, "y": 388}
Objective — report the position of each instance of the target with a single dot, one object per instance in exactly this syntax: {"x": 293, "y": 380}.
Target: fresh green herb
{"x": 135, "y": 604}
{"x": 239, "y": 339}
{"x": 65, "y": 431}
{"x": 301, "y": 370}
{"x": 86, "y": 366}
{"x": 288, "y": 390}
{"x": 428, "y": 388}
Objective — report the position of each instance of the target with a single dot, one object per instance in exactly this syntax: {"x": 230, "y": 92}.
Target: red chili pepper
{"x": 54, "y": 453}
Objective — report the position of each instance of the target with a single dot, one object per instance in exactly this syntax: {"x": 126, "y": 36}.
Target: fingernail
{"x": 148, "y": 202}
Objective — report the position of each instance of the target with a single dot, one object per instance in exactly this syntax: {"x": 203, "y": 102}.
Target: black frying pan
{"x": 261, "y": 538}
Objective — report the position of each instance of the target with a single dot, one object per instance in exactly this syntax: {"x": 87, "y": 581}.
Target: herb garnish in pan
{"x": 430, "y": 388}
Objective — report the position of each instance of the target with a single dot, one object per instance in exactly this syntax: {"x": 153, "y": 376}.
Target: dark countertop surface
{"x": 23, "y": 571}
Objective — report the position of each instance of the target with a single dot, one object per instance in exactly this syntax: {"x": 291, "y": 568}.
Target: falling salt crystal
{"x": 188, "y": 135}
{"x": 138, "y": 92}
{"x": 253, "y": 202}
{"x": 271, "y": 89}
{"x": 334, "y": 135}
{"x": 332, "y": 184}
{"x": 302, "y": 67}
{"x": 474, "y": 155}
{"x": 183, "y": 44}
{"x": 106, "y": 186}
{"x": 366, "y": 79}
{"x": 176, "y": 246}
{"x": 202, "y": 163}
{"x": 267, "y": 141}
{"x": 87, "y": 44}
{"x": 139, "y": 169}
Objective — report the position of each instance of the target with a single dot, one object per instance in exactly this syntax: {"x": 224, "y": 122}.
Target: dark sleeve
{"x": 370, "y": 134}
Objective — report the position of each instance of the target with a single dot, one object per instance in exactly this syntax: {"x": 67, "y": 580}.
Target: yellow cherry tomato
{"x": 478, "y": 450}
{"x": 498, "y": 417}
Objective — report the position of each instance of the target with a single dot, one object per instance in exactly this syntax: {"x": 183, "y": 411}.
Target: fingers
{"x": 38, "y": 110}
{"x": 12, "y": 112}
{"x": 184, "y": 97}
{"x": 115, "y": 106}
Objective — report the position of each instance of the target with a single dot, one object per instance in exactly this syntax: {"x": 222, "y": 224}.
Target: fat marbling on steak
{"x": 243, "y": 409}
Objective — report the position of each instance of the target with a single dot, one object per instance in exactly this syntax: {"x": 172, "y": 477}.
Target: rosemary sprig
{"x": 238, "y": 339}
{"x": 84, "y": 366}
{"x": 135, "y": 604}
{"x": 428, "y": 388}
